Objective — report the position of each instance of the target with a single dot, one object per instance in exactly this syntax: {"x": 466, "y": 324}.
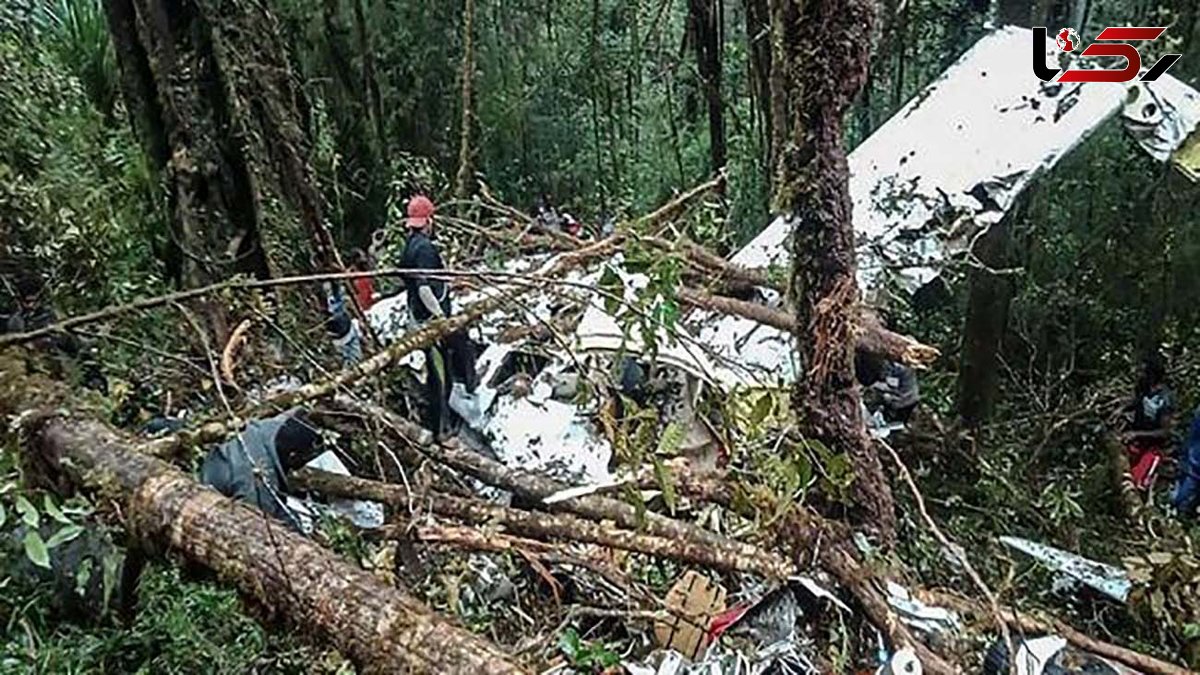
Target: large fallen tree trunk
{"x": 376, "y": 626}
{"x": 534, "y": 524}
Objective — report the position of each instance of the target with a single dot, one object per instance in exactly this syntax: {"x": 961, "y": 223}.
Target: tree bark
{"x": 235, "y": 140}
{"x": 818, "y": 68}
{"x": 706, "y": 20}
{"x": 989, "y": 299}
{"x": 379, "y": 628}
{"x": 464, "y": 183}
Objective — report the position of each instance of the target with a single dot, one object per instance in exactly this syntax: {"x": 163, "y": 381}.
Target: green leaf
{"x": 3, "y": 515}
{"x": 82, "y": 576}
{"x": 664, "y": 482}
{"x": 63, "y": 535}
{"x": 568, "y": 643}
{"x": 614, "y": 289}
{"x": 28, "y": 512}
{"x": 671, "y": 439}
{"x": 762, "y": 409}
{"x": 35, "y": 549}
{"x": 51, "y": 509}
{"x": 112, "y": 564}
{"x": 634, "y": 497}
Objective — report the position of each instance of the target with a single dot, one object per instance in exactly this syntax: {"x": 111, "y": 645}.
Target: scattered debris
{"x": 692, "y": 602}
{"x": 1049, "y": 655}
{"x": 363, "y": 514}
{"x": 923, "y": 617}
{"x": 1109, "y": 580}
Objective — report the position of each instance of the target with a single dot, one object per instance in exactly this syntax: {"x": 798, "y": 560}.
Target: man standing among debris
{"x": 428, "y": 299}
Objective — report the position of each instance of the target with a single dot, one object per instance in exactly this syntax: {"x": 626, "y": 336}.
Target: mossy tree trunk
{"x": 819, "y": 64}
{"x": 212, "y": 94}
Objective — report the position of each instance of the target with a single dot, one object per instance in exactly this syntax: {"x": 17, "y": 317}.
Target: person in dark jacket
{"x": 429, "y": 300}
{"x": 1149, "y": 435}
{"x": 252, "y": 467}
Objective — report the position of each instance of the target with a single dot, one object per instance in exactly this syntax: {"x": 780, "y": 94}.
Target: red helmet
{"x": 420, "y": 210}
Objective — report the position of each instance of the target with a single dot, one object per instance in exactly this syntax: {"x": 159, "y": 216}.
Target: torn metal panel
{"x": 1161, "y": 115}
{"x": 918, "y": 615}
{"x": 949, "y": 164}
{"x": 1111, "y": 581}
{"x": 954, "y": 159}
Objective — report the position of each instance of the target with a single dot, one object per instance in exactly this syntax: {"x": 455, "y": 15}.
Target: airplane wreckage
{"x": 943, "y": 169}
{"x": 949, "y": 164}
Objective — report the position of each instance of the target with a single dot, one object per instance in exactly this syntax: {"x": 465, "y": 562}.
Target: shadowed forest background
{"x": 608, "y": 109}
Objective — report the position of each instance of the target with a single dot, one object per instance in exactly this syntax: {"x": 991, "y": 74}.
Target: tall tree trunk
{"x": 370, "y": 77}
{"x": 706, "y": 20}
{"x": 230, "y": 114}
{"x": 1014, "y": 12}
{"x": 818, "y": 67}
{"x": 758, "y": 39}
{"x": 379, "y": 628}
{"x": 990, "y": 296}
{"x": 464, "y": 183}
{"x": 238, "y": 172}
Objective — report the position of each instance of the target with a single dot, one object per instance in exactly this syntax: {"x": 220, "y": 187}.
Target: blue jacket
{"x": 1191, "y": 448}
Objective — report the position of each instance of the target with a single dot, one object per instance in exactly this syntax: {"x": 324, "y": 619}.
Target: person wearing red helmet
{"x": 429, "y": 299}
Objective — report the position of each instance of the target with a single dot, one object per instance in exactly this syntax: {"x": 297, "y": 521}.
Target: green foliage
{"x": 79, "y": 33}
{"x": 79, "y": 207}
{"x": 586, "y": 656}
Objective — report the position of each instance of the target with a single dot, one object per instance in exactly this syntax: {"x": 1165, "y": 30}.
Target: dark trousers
{"x": 460, "y": 352}
{"x": 451, "y": 360}
{"x": 437, "y": 390}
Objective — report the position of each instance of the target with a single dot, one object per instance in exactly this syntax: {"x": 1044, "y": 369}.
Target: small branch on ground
{"x": 955, "y": 551}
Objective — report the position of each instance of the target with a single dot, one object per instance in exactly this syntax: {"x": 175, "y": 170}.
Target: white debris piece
{"x": 918, "y": 615}
{"x": 1160, "y": 115}
{"x": 1109, "y": 580}
{"x": 364, "y": 514}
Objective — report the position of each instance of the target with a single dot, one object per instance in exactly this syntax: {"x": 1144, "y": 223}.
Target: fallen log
{"x": 1050, "y": 626}
{"x": 475, "y": 539}
{"x": 871, "y": 335}
{"x": 535, "y": 486}
{"x": 534, "y": 524}
{"x": 379, "y": 628}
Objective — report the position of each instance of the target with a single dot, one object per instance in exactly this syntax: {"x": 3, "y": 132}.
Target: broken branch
{"x": 559, "y": 526}
{"x": 871, "y": 336}
{"x": 534, "y": 486}
{"x": 1050, "y": 626}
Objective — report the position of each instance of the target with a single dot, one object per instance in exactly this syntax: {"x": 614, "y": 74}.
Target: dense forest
{"x": 626, "y": 430}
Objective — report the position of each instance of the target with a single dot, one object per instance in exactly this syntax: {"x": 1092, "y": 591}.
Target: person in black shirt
{"x": 429, "y": 299}
{"x": 1149, "y": 435}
